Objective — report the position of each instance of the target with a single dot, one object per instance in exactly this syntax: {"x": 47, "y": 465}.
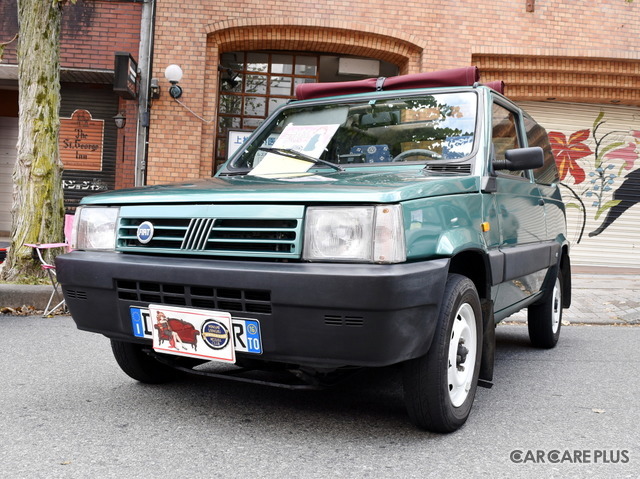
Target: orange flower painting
{"x": 568, "y": 151}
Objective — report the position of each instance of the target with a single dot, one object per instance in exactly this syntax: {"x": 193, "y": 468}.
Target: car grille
{"x": 241, "y": 235}
{"x": 206, "y": 297}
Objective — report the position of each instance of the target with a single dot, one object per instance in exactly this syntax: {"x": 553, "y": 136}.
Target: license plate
{"x": 213, "y": 335}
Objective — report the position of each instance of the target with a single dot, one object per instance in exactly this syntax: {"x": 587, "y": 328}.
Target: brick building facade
{"x": 574, "y": 51}
{"x": 91, "y": 33}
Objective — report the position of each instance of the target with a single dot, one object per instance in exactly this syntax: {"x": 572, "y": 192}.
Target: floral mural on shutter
{"x": 603, "y": 177}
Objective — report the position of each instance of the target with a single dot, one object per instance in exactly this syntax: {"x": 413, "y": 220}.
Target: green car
{"x": 366, "y": 224}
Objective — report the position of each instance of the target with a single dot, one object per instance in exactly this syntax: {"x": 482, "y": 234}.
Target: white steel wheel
{"x": 545, "y": 318}
{"x": 462, "y": 355}
{"x": 556, "y": 307}
{"x": 439, "y": 387}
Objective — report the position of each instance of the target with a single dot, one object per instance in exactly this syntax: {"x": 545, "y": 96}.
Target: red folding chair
{"x": 56, "y": 294}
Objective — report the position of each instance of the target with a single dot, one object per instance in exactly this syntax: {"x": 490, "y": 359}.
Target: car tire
{"x": 545, "y": 319}
{"x": 138, "y": 365}
{"x": 440, "y": 387}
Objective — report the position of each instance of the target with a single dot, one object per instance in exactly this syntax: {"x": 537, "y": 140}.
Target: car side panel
{"x": 442, "y": 226}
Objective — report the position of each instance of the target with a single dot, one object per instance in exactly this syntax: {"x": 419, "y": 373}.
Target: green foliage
{"x": 598, "y": 119}
{"x": 606, "y": 206}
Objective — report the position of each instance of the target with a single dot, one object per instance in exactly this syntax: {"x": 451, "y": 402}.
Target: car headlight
{"x": 95, "y": 228}
{"x": 372, "y": 234}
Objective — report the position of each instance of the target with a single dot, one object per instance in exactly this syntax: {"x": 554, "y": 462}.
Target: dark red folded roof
{"x": 497, "y": 85}
{"x": 465, "y": 76}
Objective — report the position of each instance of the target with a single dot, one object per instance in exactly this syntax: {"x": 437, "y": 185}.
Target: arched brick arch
{"x": 341, "y": 37}
{"x": 313, "y": 35}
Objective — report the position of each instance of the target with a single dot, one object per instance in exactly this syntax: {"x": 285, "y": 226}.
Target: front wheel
{"x": 139, "y": 365}
{"x": 440, "y": 386}
{"x": 545, "y": 319}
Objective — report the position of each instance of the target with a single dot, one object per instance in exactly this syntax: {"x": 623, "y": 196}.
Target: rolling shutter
{"x": 8, "y": 154}
{"x": 603, "y": 197}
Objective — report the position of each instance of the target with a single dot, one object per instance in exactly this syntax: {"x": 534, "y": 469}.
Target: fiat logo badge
{"x": 145, "y": 232}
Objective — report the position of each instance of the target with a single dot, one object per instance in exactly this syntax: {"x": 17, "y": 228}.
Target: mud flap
{"x": 488, "y": 345}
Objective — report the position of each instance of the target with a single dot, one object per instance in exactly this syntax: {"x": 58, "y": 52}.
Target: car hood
{"x": 331, "y": 187}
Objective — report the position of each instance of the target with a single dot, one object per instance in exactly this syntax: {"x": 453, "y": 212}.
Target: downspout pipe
{"x": 145, "y": 63}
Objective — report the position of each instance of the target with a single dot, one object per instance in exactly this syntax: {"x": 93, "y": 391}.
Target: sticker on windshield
{"x": 310, "y": 140}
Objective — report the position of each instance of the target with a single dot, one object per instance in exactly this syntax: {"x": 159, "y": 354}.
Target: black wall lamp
{"x": 154, "y": 89}
{"x": 120, "y": 121}
{"x": 173, "y": 73}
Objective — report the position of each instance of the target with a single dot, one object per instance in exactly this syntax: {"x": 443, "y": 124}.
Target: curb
{"x": 18, "y": 295}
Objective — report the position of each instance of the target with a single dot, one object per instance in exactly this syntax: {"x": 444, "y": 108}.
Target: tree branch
{"x": 2, "y": 45}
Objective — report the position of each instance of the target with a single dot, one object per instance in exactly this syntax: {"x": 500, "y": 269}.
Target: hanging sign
{"x": 125, "y": 76}
{"x": 81, "y": 142}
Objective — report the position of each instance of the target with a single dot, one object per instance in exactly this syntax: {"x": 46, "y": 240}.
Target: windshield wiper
{"x": 295, "y": 154}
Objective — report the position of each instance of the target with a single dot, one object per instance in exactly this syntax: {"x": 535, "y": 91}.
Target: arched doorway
{"x": 258, "y": 63}
{"x": 253, "y": 84}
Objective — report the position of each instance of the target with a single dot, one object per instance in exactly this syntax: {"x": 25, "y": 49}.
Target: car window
{"x": 547, "y": 174}
{"x": 504, "y": 135}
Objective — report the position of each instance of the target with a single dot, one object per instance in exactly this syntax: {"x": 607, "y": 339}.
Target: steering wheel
{"x": 417, "y": 152}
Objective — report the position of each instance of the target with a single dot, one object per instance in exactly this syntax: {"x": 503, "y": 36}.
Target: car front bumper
{"x": 315, "y": 314}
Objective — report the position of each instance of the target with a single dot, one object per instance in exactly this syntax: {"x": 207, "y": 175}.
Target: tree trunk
{"x": 38, "y": 205}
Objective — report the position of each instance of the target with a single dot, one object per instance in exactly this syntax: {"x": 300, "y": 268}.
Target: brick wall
{"x": 596, "y": 42}
{"x": 414, "y": 35}
{"x": 8, "y": 28}
{"x": 92, "y": 31}
{"x": 126, "y": 148}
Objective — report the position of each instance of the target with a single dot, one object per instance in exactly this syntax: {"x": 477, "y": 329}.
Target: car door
{"x": 548, "y": 181}
{"x": 523, "y": 250}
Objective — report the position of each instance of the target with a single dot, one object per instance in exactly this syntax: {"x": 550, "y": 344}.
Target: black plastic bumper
{"x": 322, "y": 315}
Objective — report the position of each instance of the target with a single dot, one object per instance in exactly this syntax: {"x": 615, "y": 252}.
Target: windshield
{"x": 368, "y": 132}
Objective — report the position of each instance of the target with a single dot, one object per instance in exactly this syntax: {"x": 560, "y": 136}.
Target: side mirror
{"x": 520, "y": 159}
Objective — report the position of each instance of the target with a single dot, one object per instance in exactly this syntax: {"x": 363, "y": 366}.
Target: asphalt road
{"x": 68, "y": 411}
